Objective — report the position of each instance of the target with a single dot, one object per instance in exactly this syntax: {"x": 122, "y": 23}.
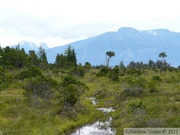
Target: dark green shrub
{"x": 78, "y": 71}
{"x": 139, "y": 82}
{"x": 24, "y": 74}
{"x": 2, "y": 75}
{"x": 9, "y": 78}
{"x": 156, "y": 78}
{"x": 71, "y": 90}
{"x": 87, "y": 66}
{"x": 114, "y": 74}
{"x": 139, "y": 113}
{"x": 39, "y": 89}
{"x": 152, "y": 85}
{"x": 70, "y": 95}
{"x": 103, "y": 72}
{"x": 102, "y": 93}
{"x": 133, "y": 71}
{"x": 34, "y": 71}
{"x": 121, "y": 73}
{"x": 133, "y": 92}
{"x": 134, "y": 106}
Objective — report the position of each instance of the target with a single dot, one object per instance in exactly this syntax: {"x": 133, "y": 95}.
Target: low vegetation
{"x": 38, "y": 98}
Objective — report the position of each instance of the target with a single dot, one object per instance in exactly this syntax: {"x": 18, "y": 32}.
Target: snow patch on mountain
{"x": 152, "y": 32}
{"x": 31, "y": 45}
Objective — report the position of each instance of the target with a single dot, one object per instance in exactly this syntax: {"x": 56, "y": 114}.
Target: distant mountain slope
{"x": 128, "y": 44}
{"x": 31, "y": 45}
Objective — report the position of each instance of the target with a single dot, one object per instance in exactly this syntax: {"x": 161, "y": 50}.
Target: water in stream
{"x": 97, "y": 128}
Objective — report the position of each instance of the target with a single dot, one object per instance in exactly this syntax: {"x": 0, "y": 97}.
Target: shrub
{"x": 139, "y": 82}
{"x": 139, "y": 112}
{"x": 134, "y": 71}
{"x": 156, "y": 78}
{"x": 133, "y": 92}
{"x": 70, "y": 95}
{"x": 104, "y": 71}
{"x": 114, "y": 74}
{"x": 102, "y": 93}
{"x": 35, "y": 71}
{"x": 87, "y": 66}
{"x": 78, "y": 71}
{"x": 39, "y": 89}
{"x": 24, "y": 74}
{"x": 1, "y": 75}
{"x": 71, "y": 90}
{"x": 134, "y": 106}
{"x": 152, "y": 85}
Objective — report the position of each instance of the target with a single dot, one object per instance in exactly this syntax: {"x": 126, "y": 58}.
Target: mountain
{"x": 31, "y": 45}
{"x": 128, "y": 44}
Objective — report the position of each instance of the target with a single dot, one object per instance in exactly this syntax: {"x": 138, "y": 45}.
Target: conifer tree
{"x": 42, "y": 57}
{"x": 33, "y": 58}
{"x": 71, "y": 57}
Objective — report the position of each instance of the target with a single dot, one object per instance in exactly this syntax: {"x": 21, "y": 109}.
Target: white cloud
{"x": 59, "y": 21}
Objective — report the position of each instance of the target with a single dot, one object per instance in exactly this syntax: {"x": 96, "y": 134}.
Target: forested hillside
{"x": 38, "y": 98}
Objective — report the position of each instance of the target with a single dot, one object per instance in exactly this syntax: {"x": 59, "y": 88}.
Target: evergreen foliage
{"x": 33, "y": 58}
{"x": 66, "y": 60}
{"x": 43, "y": 63}
{"x": 109, "y": 55}
{"x": 71, "y": 90}
{"x": 23, "y": 75}
{"x": 39, "y": 89}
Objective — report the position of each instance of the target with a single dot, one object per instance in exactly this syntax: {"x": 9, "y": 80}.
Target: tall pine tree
{"x": 71, "y": 57}
{"x": 42, "y": 58}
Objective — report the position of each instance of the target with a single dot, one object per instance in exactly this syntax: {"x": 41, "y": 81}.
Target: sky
{"x": 59, "y": 22}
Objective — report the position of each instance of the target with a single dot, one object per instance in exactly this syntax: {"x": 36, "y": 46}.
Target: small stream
{"x": 97, "y": 128}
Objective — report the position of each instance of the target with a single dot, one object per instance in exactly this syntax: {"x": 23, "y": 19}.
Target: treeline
{"x": 18, "y": 58}
{"x": 159, "y": 64}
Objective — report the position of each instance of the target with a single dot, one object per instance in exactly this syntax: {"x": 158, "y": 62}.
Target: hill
{"x": 128, "y": 44}
{"x": 31, "y": 45}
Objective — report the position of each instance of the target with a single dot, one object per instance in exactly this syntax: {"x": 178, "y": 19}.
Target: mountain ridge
{"x": 31, "y": 45}
{"x": 129, "y": 44}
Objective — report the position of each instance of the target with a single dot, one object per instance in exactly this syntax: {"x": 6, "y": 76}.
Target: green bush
{"x": 133, "y": 71}
{"x": 39, "y": 89}
{"x": 34, "y": 71}
{"x": 71, "y": 89}
{"x": 139, "y": 82}
{"x": 24, "y": 74}
{"x": 102, "y": 93}
{"x": 152, "y": 85}
{"x": 114, "y": 74}
{"x": 133, "y": 92}
{"x": 71, "y": 95}
{"x": 103, "y": 72}
{"x": 78, "y": 71}
{"x": 2, "y": 75}
{"x": 156, "y": 78}
{"x": 87, "y": 66}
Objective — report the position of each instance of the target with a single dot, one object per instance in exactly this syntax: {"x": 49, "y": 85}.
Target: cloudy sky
{"x": 58, "y": 22}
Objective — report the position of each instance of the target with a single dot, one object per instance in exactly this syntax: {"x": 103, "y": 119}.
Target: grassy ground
{"x": 149, "y": 109}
